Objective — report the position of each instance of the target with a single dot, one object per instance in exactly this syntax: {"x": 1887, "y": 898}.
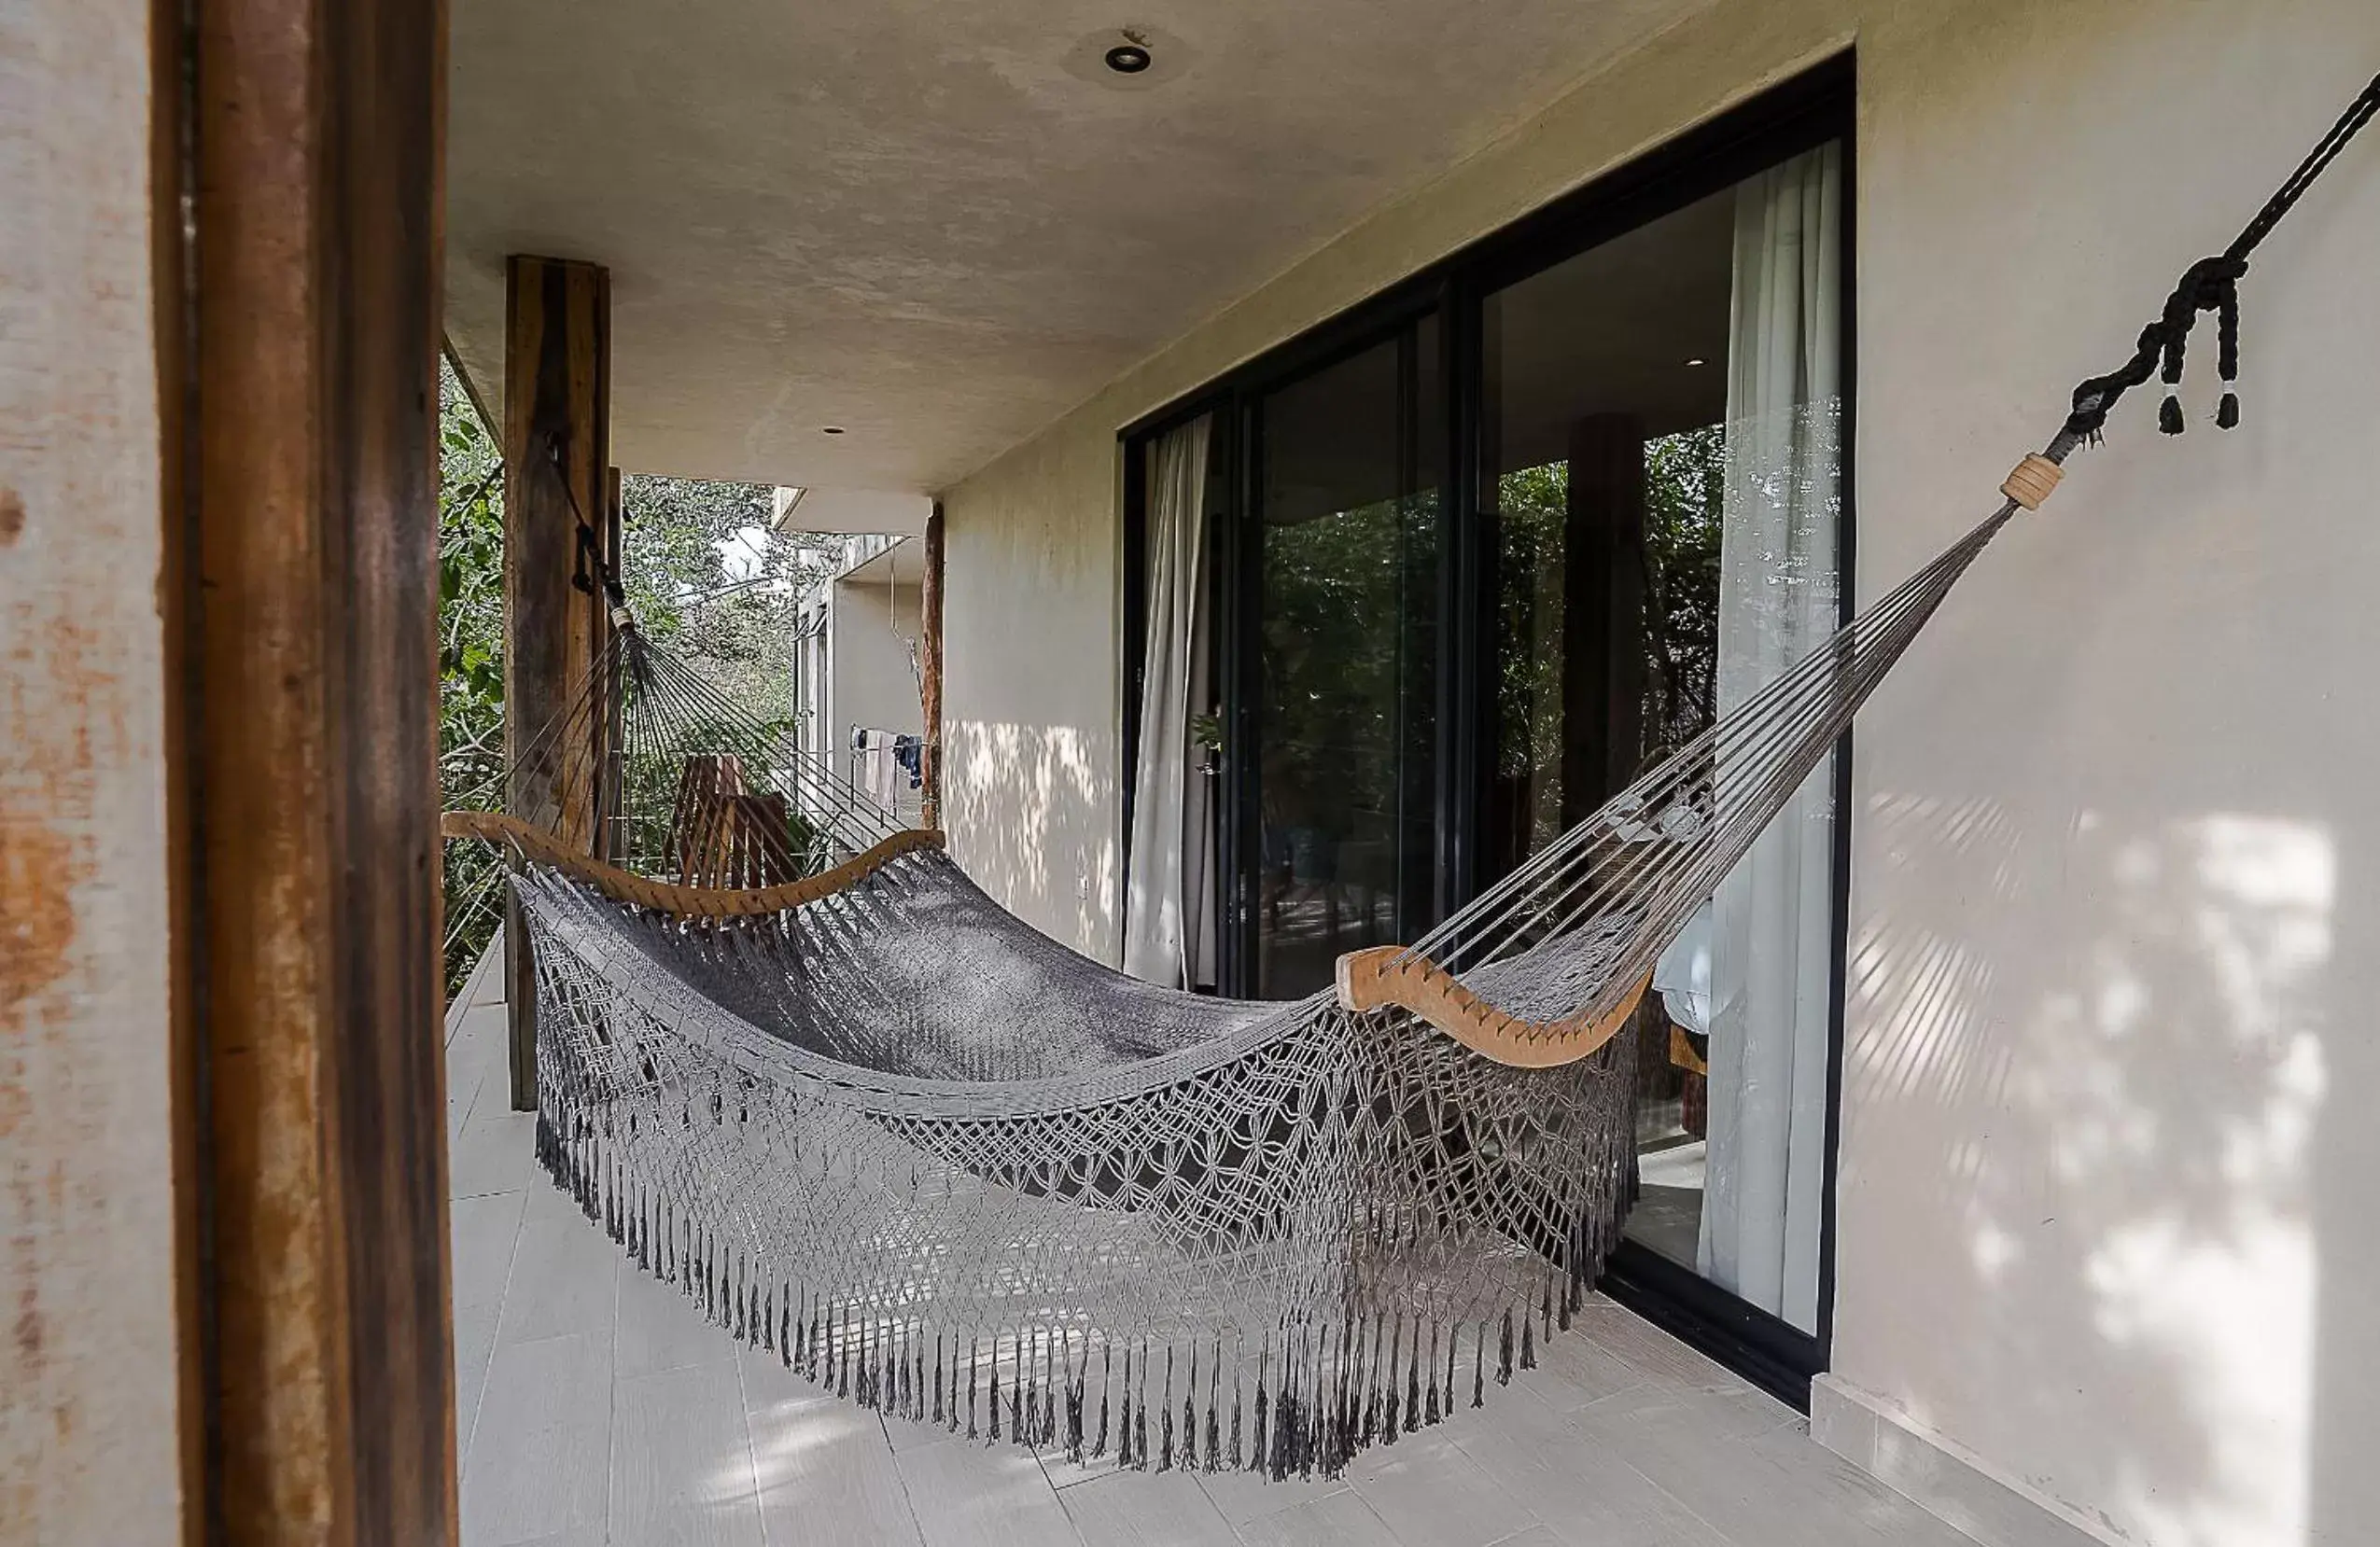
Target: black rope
{"x": 592, "y": 563}
{"x": 2210, "y": 285}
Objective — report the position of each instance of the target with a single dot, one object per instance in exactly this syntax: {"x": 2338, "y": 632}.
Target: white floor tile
{"x": 1137, "y": 1510}
{"x": 1340, "y": 1519}
{"x": 1776, "y": 1489}
{"x": 681, "y": 1460}
{"x": 483, "y": 1230}
{"x": 1433, "y": 1495}
{"x": 474, "y": 1345}
{"x": 826, "y": 1474}
{"x": 541, "y": 1451}
{"x": 565, "y": 1280}
{"x": 660, "y": 1326}
{"x": 1584, "y": 1495}
{"x": 969, "y": 1494}
{"x": 496, "y": 1152}
{"x": 1243, "y": 1497}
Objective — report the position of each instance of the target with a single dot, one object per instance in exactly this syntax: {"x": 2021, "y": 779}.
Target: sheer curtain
{"x": 1165, "y": 906}
{"x": 1771, "y": 924}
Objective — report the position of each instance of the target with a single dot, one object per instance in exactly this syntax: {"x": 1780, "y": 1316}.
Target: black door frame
{"x": 1798, "y": 115}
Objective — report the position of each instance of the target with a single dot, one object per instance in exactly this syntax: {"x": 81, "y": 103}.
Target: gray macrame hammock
{"x": 794, "y": 1062}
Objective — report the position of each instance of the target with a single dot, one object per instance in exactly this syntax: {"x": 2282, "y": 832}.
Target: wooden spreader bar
{"x": 685, "y": 901}
{"x": 1384, "y": 975}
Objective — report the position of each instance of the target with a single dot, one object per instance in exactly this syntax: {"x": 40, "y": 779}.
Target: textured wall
{"x": 2110, "y": 1031}
{"x": 1029, "y": 733}
{"x": 874, "y": 682}
{"x": 88, "y": 1358}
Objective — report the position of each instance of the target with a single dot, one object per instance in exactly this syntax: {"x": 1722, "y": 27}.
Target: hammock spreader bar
{"x": 638, "y": 891}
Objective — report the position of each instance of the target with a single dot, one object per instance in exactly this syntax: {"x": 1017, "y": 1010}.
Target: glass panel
{"x": 1659, "y": 477}
{"x": 1347, "y": 522}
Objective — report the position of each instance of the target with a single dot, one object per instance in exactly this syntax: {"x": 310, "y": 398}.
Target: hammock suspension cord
{"x": 1653, "y": 853}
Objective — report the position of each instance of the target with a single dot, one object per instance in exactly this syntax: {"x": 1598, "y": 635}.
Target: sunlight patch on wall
{"x": 2217, "y": 1273}
{"x": 1026, "y": 810}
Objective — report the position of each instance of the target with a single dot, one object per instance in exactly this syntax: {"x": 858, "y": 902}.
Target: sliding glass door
{"x": 1342, "y": 542}
{"x": 1488, "y": 548}
{"x": 1660, "y": 477}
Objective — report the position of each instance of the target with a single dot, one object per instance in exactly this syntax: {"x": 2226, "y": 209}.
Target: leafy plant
{"x": 705, "y": 576}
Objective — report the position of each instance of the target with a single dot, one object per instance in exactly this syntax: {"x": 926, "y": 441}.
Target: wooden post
{"x": 1603, "y": 682}
{"x": 557, "y": 459}
{"x": 929, "y": 668}
{"x": 611, "y": 839}
{"x": 307, "y": 675}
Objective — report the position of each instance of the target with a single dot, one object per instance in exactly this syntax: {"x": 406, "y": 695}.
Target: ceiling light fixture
{"x": 1697, "y": 360}
{"x": 831, "y": 429}
{"x": 1129, "y": 57}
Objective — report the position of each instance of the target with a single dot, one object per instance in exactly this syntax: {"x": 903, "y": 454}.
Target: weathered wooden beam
{"x": 930, "y": 644}
{"x": 309, "y": 719}
{"x": 557, "y": 462}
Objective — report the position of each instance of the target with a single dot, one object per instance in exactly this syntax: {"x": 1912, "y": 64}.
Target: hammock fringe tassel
{"x": 1282, "y": 1349}
{"x": 1337, "y": 1388}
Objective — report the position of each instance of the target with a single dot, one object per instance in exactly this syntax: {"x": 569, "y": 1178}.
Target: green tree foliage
{"x": 709, "y": 583}
{"x": 705, "y": 576}
{"x": 1349, "y": 643}
{"x": 1349, "y": 663}
{"x": 471, "y": 662}
{"x": 1684, "y": 477}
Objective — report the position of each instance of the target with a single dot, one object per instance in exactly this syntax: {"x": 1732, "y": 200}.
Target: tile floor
{"x": 596, "y": 1407}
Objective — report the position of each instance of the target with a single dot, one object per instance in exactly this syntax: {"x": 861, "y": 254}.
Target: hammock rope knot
{"x": 2210, "y": 285}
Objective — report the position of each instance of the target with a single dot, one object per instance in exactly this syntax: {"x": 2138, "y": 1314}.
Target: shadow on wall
{"x": 2105, "y": 1205}
{"x": 1031, "y": 815}
{"x": 2133, "y": 1154}
{"x": 2110, "y": 1047}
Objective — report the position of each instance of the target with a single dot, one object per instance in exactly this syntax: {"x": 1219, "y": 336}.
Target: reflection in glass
{"x": 1348, "y": 520}
{"x": 1660, "y": 420}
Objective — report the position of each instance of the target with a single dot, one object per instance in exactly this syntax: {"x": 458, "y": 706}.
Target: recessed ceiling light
{"x": 1129, "y": 57}
{"x": 831, "y": 429}
{"x": 1697, "y": 360}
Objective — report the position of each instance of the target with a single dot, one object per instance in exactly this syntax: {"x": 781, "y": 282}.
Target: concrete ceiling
{"x": 939, "y": 226}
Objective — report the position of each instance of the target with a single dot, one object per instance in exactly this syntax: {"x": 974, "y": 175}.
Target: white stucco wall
{"x": 90, "y": 1365}
{"x": 875, "y": 683}
{"x": 1030, "y": 728}
{"x": 2111, "y": 1037}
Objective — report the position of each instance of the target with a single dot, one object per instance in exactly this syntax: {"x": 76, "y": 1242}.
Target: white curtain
{"x": 1167, "y": 898}
{"x": 1771, "y": 933}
